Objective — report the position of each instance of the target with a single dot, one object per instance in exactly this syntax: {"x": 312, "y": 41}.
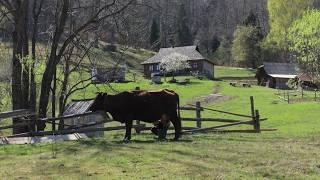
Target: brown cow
{"x": 147, "y": 106}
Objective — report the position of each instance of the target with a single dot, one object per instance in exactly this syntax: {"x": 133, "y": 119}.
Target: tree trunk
{"x": 20, "y": 52}
{"x": 52, "y": 64}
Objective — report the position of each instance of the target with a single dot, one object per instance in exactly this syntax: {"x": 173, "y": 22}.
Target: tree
{"x": 155, "y": 35}
{"x": 304, "y": 38}
{"x": 251, "y": 20}
{"x": 61, "y": 40}
{"x": 281, "y": 15}
{"x": 173, "y": 63}
{"x": 17, "y": 12}
{"x": 184, "y": 35}
{"x": 246, "y": 46}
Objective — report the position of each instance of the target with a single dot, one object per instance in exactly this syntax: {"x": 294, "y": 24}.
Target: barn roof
{"x": 78, "y": 107}
{"x": 191, "y": 52}
{"x": 281, "y": 70}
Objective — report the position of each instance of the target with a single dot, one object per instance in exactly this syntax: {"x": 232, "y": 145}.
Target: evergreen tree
{"x": 251, "y": 20}
{"x": 155, "y": 35}
{"x": 185, "y": 37}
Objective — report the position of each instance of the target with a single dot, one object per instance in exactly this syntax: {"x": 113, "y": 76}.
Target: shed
{"x": 80, "y": 107}
{"x": 197, "y": 62}
{"x": 110, "y": 74}
{"x": 276, "y": 75}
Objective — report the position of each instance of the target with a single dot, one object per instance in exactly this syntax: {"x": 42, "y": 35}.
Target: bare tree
{"x": 63, "y": 10}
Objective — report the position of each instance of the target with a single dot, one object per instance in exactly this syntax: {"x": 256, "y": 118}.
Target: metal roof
{"x": 78, "y": 107}
{"x": 281, "y": 70}
{"x": 283, "y": 76}
{"x": 191, "y": 52}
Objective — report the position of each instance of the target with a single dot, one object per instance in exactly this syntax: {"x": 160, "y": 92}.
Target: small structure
{"x": 197, "y": 62}
{"x": 276, "y": 75}
{"x": 80, "y": 107}
{"x": 156, "y": 78}
{"x": 307, "y": 81}
{"x": 112, "y": 74}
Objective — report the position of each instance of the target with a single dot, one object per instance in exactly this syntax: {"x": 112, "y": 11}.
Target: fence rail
{"x": 253, "y": 120}
{"x": 16, "y": 114}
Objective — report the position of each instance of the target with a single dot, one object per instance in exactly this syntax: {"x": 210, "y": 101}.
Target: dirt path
{"x": 210, "y": 98}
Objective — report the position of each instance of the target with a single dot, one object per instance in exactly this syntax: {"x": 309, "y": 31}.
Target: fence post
{"x": 252, "y": 106}
{"x": 252, "y": 111}
{"x": 53, "y": 125}
{"x": 288, "y": 94}
{"x": 137, "y": 121}
{"x": 256, "y": 122}
{"x": 198, "y": 114}
{"x": 315, "y": 95}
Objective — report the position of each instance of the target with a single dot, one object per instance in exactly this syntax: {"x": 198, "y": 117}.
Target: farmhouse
{"x": 80, "y": 107}
{"x": 110, "y": 74}
{"x": 197, "y": 62}
{"x": 276, "y": 75}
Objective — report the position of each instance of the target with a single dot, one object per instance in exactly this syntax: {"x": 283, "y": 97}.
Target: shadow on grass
{"x": 152, "y": 141}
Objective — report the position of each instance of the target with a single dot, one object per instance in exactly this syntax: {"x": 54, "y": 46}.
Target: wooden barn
{"x": 80, "y": 107}
{"x": 276, "y": 75}
{"x": 111, "y": 74}
{"x": 197, "y": 62}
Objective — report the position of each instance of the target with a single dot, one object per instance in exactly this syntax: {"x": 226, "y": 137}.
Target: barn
{"x": 276, "y": 75}
{"x": 80, "y": 107}
{"x": 197, "y": 62}
{"x": 110, "y": 74}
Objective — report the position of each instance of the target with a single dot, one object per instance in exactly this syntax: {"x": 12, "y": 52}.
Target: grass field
{"x": 229, "y": 72}
{"x": 289, "y": 153}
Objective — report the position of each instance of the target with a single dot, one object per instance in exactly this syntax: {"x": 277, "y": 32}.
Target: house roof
{"x": 78, "y": 107}
{"x": 305, "y": 77}
{"x": 281, "y": 70}
{"x": 191, "y": 52}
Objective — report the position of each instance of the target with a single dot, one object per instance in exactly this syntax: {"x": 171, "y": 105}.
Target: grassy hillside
{"x": 289, "y": 152}
{"x": 130, "y": 56}
{"x": 284, "y": 154}
{"x": 230, "y": 72}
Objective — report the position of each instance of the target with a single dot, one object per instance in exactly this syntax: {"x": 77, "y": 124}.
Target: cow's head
{"x": 99, "y": 103}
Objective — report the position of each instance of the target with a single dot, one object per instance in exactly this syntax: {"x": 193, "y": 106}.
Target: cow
{"x": 158, "y": 107}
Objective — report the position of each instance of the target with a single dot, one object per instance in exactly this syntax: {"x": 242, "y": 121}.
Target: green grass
{"x": 223, "y": 72}
{"x": 287, "y": 153}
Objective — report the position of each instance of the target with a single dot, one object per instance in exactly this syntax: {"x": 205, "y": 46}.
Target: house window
{"x": 151, "y": 68}
{"x": 194, "y": 65}
{"x": 158, "y": 67}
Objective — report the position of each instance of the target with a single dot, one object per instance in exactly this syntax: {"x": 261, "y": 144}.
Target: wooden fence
{"x": 291, "y": 96}
{"x": 253, "y": 120}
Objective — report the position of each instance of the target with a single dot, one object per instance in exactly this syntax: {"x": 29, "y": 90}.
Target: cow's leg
{"x": 163, "y": 126}
{"x": 155, "y": 128}
{"x": 127, "y": 137}
{"x": 176, "y": 121}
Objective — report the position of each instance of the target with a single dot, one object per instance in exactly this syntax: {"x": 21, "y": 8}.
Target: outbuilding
{"x": 80, "y": 107}
{"x": 197, "y": 62}
{"x": 111, "y": 74}
{"x": 276, "y": 75}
